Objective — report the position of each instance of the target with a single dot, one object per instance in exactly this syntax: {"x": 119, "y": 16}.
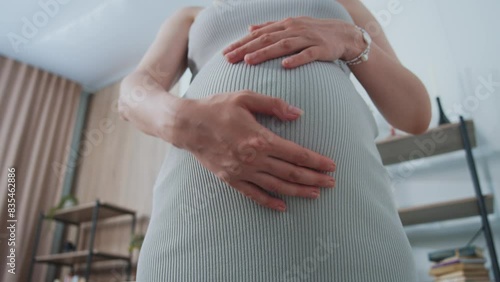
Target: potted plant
{"x": 66, "y": 201}
{"x": 135, "y": 246}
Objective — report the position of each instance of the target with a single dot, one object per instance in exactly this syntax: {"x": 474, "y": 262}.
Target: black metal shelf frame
{"x": 90, "y": 255}
{"x": 480, "y": 200}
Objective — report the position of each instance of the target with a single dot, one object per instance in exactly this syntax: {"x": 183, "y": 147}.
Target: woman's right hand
{"x": 223, "y": 134}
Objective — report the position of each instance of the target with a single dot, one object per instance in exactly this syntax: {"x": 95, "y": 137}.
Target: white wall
{"x": 451, "y": 45}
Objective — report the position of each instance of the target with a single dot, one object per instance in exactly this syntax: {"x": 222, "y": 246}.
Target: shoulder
{"x": 189, "y": 12}
{"x": 350, "y": 5}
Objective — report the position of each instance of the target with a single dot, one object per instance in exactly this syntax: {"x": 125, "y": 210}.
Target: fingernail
{"x": 249, "y": 57}
{"x": 332, "y": 167}
{"x": 314, "y": 194}
{"x": 281, "y": 207}
{"x": 332, "y": 183}
{"x": 227, "y": 48}
{"x": 295, "y": 111}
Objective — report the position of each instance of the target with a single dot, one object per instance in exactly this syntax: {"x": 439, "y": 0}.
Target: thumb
{"x": 260, "y": 103}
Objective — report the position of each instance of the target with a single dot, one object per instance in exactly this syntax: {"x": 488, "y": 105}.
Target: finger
{"x": 293, "y": 153}
{"x": 259, "y": 196}
{"x": 257, "y": 26}
{"x": 264, "y": 104}
{"x": 277, "y": 185}
{"x": 283, "y": 47}
{"x": 304, "y": 57}
{"x": 265, "y": 40}
{"x": 274, "y": 27}
{"x": 296, "y": 174}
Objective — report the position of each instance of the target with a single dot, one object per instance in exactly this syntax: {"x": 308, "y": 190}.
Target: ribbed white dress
{"x": 203, "y": 230}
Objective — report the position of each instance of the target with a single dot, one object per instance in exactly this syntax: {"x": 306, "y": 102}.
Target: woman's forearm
{"x": 399, "y": 95}
{"x": 148, "y": 106}
{"x": 145, "y": 100}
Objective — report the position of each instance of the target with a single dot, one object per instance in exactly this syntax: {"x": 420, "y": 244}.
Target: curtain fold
{"x": 37, "y": 117}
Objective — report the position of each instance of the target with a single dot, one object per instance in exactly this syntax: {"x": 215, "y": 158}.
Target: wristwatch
{"x": 363, "y": 57}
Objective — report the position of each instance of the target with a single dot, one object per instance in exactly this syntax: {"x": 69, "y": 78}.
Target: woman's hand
{"x": 398, "y": 94}
{"x": 313, "y": 39}
{"x": 223, "y": 134}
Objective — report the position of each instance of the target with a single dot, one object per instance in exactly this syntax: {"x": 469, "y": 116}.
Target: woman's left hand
{"x": 313, "y": 39}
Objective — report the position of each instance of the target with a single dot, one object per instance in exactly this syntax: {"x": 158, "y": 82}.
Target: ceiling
{"x": 97, "y": 42}
{"x": 92, "y": 42}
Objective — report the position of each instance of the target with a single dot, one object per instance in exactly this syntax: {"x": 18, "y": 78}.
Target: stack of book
{"x": 459, "y": 265}
{"x": 71, "y": 278}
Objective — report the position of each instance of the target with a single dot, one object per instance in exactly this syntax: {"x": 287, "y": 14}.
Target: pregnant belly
{"x": 334, "y": 113}
{"x": 336, "y": 122}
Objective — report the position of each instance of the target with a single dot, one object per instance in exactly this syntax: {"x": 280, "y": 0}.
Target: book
{"x": 454, "y": 267}
{"x": 465, "y": 273}
{"x": 464, "y": 279}
{"x": 468, "y": 251}
{"x": 469, "y": 259}
{"x": 454, "y": 260}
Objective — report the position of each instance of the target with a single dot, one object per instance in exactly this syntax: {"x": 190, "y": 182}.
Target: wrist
{"x": 354, "y": 44}
{"x": 175, "y": 120}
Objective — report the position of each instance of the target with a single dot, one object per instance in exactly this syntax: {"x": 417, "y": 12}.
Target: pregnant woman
{"x": 273, "y": 174}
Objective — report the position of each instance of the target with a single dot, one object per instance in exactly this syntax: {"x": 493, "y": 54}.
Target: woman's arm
{"x": 398, "y": 94}
{"x": 161, "y": 67}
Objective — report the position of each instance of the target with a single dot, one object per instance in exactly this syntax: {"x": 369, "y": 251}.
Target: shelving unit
{"x": 444, "y": 139}
{"x": 70, "y": 258}
{"x": 78, "y": 215}
{"x": 443, "y": 211}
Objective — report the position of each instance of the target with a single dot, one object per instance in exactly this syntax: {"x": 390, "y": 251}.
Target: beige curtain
{"x": 37, "y": 116}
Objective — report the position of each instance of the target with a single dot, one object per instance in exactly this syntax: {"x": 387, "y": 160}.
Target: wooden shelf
{"x": 444, "y": 211}
{"x": 436, "y": 141}
{"x": 71, "y": 258}
{"x": 83, "y": 213}
{"x": 104, "y": 267}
